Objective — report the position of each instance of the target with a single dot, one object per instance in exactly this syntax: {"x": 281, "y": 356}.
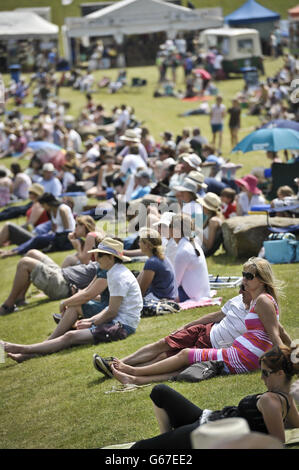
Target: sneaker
{"x": 5, "y": 309}
{"x": 103, "y": 365}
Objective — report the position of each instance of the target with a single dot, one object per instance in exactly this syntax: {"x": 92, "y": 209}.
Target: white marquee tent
{"x": 133, "y": 17}
{"x": 25, "y": 25}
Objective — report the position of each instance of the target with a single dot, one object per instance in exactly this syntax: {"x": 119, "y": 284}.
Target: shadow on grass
{"x": 225, "y": 260}
{"x": 96, "y": 382}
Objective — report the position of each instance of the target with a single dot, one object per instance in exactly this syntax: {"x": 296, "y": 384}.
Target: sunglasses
{"x": 267, "y": 373}
{"x": 248, "y": 276}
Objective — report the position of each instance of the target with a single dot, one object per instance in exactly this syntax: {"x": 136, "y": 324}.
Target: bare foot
{"x": 17, "y": 357}
{"x": 121, "y": 377}
{"x": 11, "y": 347}
{"x": 122, "y": 367}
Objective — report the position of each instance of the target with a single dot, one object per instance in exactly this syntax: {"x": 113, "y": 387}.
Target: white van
{"x": 240, "y": 47}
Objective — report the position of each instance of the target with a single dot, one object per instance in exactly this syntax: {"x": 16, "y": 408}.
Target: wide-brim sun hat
{"x": 130, "y": 136}
{"x": 36, "y": 189}
{"x": 109, "y": 246}
{"x": 208, "y": 435}
{"x": 48, "y": 167}
{"x": 211, "y": 201}
{"x": 187, "y": 185}
{"x": 198, "y": 177}
{"x": 250, "y": 183}
{"x": 191, "y": 159}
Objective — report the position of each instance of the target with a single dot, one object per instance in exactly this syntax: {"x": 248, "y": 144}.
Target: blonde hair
{"x": 262, "y": 269}
{"x": 87, "y": 221}
{"x": 154, "y": 240}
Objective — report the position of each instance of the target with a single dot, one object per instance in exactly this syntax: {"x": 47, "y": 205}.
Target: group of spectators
{"x": 117, "y": 161}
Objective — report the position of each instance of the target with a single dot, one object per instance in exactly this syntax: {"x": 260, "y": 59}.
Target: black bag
{"x": 106, "y": 333}
{"x": 200, "y": 371}
{"x": 152, "y": 308}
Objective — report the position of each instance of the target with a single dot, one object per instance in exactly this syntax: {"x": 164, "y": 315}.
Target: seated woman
{"x": 249, "y": 196}
{"x": 114, "y": 322}
{"x": 105, "y": 177}
{"x": 84, "y": 238}
{"x": 190, "y": 265}
{"x": 268, "y": 412}
{"x": 14, "y": 234}
{"x": 262, "y": 323}
{"x": 157, "y": 279}
{"x": 63, "y": 223}
{"x": 212, "y": 221}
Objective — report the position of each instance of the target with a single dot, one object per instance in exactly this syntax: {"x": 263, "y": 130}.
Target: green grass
{"x": 60, "y": 401}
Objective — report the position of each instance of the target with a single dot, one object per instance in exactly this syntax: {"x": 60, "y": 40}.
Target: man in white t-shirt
{"x": 217, "y": 115}
{"x": 132, "y": 162}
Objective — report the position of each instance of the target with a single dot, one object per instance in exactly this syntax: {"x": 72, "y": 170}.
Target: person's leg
{"x": 70, "y": 260}
{"x": 68, "y": 319}
{"x": 162, "y": 370}
{"x": 147, "y": 353}
{"x": 21, "y": 281}
{"x": 4, "y": 234}
{"x": 71, "y": 338}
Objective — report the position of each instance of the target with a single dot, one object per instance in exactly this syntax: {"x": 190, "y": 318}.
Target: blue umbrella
{"x": 271, "y": 139}
{"x": 283, "y": 124}
{"x": 41, "y": 145}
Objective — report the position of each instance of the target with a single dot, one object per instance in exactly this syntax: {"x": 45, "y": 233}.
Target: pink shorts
{"x": 197, "y": 336}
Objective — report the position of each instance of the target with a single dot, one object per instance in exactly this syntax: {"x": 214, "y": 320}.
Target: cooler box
{"x": 282, "y": 251}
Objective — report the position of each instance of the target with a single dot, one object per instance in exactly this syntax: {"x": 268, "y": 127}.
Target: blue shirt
{"x": 140, "y": 191}
{"x": 52, "y": 186}
{"x": 163, "y": 284}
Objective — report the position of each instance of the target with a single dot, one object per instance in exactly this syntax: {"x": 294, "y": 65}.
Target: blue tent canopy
{"x": 251, "y": 12}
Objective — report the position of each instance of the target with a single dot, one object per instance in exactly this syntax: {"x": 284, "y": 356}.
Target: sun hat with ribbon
{"x": 130, "y": 136}
{"x": 187, "y": 185}
{"x": 211, "y": 201}
{"x": 110, "y": 246}
{"x": 198, "y": 177}
{"x": 250, "y": 183}
{"x": 208, "y": 435}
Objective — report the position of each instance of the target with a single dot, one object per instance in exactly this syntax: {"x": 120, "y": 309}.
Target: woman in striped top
{"x": 263, "y": 332}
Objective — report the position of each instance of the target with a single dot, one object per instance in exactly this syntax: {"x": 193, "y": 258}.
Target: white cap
{"x": 48, "y": 167}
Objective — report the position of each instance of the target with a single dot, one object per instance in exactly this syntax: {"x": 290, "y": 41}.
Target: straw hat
{"x": 211, "y": 201}
{"x": 208, "y": 435}
{"x": 109, "y": 246}
{"x": 198, "y": 177}
{"x": 130, "y": 136}
{"x": 192, "y": 159}
{"x": 37, "y": 189}
{"x": 187, "y": 185}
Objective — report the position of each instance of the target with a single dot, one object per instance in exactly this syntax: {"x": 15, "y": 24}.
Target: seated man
{"x": 214, "y": 330}
{"x": 46, "y": 275}
{"x": 114, "y": 322}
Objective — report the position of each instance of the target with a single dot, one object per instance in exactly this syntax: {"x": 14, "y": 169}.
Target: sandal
{"x": 103, "y": 365}
{"x": 5, "y": 309}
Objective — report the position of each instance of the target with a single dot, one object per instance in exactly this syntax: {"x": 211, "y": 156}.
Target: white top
{"x": 142, "y": 151}
{"x": 246, "y": 205}
{"x": 170, "y": 249}
{"x": 217, "y": 113}
{"x": 123, "y": 283}
{"x": 191, "y": 271}
{"x": 131, "y": 163}
{"x": 57, "y": 220}
{"x": 67, "y": 179}
{"x": 224, "y": 333}
{"x": 52, "y": 186}
{"x": 22, "y": 184}
{"x": 218, "y": 62}
{"x": 93, "y": 153}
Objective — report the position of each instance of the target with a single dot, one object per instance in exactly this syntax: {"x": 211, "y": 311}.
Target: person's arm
{"x": 36, "y": 213}
{"x": 145, "y": 278}
{"x": 266, "y": 311}
{"x": 213, "y": 226}
{"x": 96, "y": 287}
{"x": 133, "y": 253}
{"x": 83, "y": 254}
{"x": 105, "y": 316}
{"x": 285, "y": 338}
{"x": 270, "y": 406}
{"x": 64, "y": 218}
{"x": 213, "y": 317}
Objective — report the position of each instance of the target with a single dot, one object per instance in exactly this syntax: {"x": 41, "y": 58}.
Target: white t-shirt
{"x": 246, "y": 205}
{"x": 224, "y": 333}
{"x": 170, "y": 249}
{"x": 93, "y": 153}
{"x": 123, "y": 283}
{"x": 22, "y": 185}
{"x": 218, "y": 62}
{"x": 191, "y": 271}
{"x": 217, "y": 113}
{"x": 131, "y": 163}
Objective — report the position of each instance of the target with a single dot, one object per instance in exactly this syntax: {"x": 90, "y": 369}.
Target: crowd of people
{"x": 177, "y": 192}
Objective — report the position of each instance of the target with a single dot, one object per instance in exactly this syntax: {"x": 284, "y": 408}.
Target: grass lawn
{"x": 60, "y": 401}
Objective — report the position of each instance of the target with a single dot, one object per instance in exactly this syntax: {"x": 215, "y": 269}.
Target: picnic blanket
{"x": 198, "y": 98}
{"x": 203, "y": 302}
